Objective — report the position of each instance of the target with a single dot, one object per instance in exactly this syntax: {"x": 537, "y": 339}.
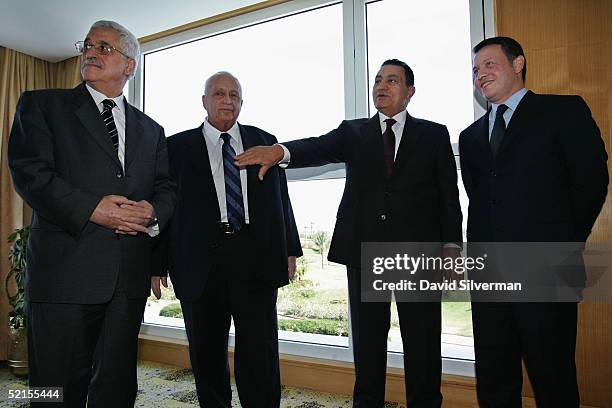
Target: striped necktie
{"x": 233, "y": 186}
{"x": 107, "y": 117}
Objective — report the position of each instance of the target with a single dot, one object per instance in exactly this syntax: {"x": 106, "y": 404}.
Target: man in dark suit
{"x": 401, "y": 186}
{"x": 94, "y": 170}
{"x": 232, "y": 242}
{"x": 534, "y": 168}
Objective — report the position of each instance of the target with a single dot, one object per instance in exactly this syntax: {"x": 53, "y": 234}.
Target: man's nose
{"x": 89, "y": 53}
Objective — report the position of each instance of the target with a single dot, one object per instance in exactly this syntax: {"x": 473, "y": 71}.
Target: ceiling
{"x": 47, "y": 29}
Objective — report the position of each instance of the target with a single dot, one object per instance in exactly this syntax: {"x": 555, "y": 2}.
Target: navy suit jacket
{"x": 549, "y": 179}
{"x": 194, "y": 228}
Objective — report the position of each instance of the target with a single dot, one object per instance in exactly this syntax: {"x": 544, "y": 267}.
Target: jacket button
{"x": 493, "y": 173}
{"x": 119, "y": 174}
{"x": 383, "y": 217}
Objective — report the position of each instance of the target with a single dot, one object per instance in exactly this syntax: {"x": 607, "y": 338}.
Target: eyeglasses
{"x": 100, "y": 48}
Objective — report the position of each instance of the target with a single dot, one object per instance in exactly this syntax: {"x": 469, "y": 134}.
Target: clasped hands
{"x": 123, "y": 215}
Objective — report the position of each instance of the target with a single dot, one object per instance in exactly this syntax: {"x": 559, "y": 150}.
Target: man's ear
{"x": 518, "y": 64}
{"x": 131, "y": 67}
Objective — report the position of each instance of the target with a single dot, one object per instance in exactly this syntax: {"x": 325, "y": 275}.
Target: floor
{"x": 173, "y": 387}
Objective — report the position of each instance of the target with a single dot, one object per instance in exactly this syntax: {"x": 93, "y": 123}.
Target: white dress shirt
{"x": 118, "y": 116}
{"x": 214, "y": 144}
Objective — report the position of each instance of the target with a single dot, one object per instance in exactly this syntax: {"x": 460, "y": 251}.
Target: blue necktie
{"x": 233, "y": 187}
{"x": 499, "y": 129}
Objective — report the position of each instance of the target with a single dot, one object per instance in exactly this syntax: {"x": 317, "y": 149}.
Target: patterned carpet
{"x": 173, "y": 387}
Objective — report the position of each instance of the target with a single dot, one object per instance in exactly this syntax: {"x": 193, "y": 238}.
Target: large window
{"x": 304, "y": 66}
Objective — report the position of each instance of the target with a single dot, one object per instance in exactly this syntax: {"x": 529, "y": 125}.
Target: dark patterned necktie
{"x": 107, "y": 117}
{"x": 233, "y": 186}
{"x": 499, "y": 129}
{"x": 389, "y": 145}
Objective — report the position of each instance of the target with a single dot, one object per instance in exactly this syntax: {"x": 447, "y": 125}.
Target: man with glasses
{"x": 95, "y": 171}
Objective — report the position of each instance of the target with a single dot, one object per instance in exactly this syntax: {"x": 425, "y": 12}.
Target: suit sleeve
{"x": 164, "y": 192}
{"x": 294, "y": 247}
{"x": 586, "y": 161}
{"x": 161, "y": 247}
{"x": 317, "y": 151}
{"x": 32, "y": 166}
{"x": 466, "y": 176}
{"x": 447, "y": 185}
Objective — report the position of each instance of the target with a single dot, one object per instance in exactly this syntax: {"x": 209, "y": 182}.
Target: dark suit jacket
{"x": 63, "y": 162}
{"x": 549, "y": 180}
{"x": 194, "y": 228}
{"x": 419, "y": 202}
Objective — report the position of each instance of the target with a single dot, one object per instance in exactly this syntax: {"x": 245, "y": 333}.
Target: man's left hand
{"x": 291, "y": 261}
{"x": 155, "y": 285}
{"x": 454, "y": 253}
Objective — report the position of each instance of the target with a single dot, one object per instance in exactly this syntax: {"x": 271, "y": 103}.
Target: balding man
{"x": 94, "y": 169}
{"x": 232, "y": 242}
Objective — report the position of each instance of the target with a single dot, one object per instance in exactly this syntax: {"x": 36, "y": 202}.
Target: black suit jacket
{"x": 194, "y": 228}
{"x": 63, "y": 162}
{"x": 418, "y": 202}
{"x": 549, "y": 179}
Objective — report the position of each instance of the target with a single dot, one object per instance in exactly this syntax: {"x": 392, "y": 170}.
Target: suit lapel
{"x": 524, "y": 115}
{"x": 410, "y": 135}
{"x": 374, "y": 143}
{"x": 250, "y": 140}
{"x": 481, "y": 134}
{"x": 90, "y": 117}
{"x": 133, "y": 134}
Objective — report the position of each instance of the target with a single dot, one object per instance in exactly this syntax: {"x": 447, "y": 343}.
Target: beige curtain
{"x": 18, "y": 73}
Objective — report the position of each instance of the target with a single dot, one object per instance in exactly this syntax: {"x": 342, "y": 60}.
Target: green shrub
{"x": 172, "y": 310}
{"x": 316, "y": 326}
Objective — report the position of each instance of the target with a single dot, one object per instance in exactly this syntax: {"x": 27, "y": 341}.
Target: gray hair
{"x": 217, "y": 75}
{"x": 127, "y": 41}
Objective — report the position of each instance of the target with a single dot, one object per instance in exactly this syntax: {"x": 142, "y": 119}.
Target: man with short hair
{"x": 401, "y": 186}
{"x": 232, "y": 242}
{"x": 94, "y": 169}
{"x": 534, "y": 168}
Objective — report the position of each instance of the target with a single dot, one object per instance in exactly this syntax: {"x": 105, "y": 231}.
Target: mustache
{"x": 91, "y": 61}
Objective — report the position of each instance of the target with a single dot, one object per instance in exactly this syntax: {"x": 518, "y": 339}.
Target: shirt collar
{"x": 98, "y": 97}
{"x": 399, "y": 118}
{"x": 512, "y": 102}
{"x": 214, "y": 135}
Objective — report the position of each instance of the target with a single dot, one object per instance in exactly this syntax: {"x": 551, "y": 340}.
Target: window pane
{"x": 314, "y": 308}
{"x": 433, "y": 38}
{"x": 287, "y": 70}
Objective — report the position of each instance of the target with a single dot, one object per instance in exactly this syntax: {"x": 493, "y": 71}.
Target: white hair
{"x": 128, "y": 43}
{"x": 217, "y": 75}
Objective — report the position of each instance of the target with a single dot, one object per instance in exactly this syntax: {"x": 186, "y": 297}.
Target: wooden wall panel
{"x": 568, "y": 50}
